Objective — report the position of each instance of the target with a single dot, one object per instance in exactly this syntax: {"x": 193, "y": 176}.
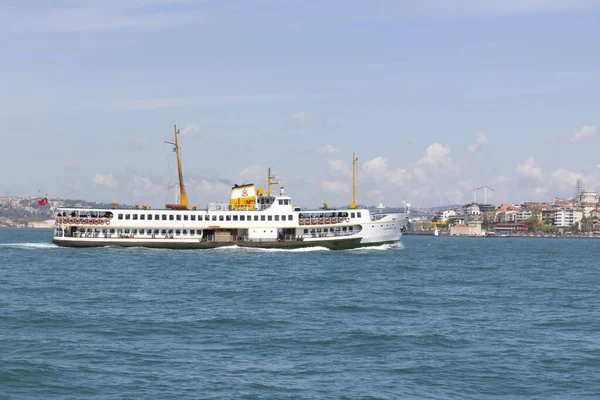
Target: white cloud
{"x": 186, "y": 101}
{"x": 328, "y": 149}
{"x": 468, "y": 184}
{"x": 475, "y": 8}
{"x": 399, "y": 177}
{"x": 190, "y": 130}
{"x": 529, "y": 169}
{"x": 540, "y": 190}
{"x": 77, "y": 16}
{"x": 421, "y": 192}
{"x": 587, "y": 131}
{"x": 419, "y": 174}
{"x": 438, "y": 156}
{"x": 565, "y": 180}
{"x": 105, "y": 180}
{"x": 377, "y": 169}
{"x": 335, "y": 187}
{"x": 481, "y": 141}
{"x": 302, "y": 120}
{"x": 502, "y": 180}
{"x": 339, "y": 167}
{"x": 254, "y": 173}
{"x": 140, "y": 186}
{"x": 454, "y": 196}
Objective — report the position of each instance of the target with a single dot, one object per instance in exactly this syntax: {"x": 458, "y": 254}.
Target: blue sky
{"x": 435, "y": 97}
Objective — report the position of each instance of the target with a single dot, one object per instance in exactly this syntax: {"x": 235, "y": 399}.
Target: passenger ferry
{"x": 253, "y": 218}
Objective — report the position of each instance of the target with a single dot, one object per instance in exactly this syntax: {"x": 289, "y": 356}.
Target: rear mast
{"x": 182, "y": 194}
{"x": 354, "y": 162}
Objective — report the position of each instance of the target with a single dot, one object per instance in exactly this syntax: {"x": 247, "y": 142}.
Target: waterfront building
{"x": 567, "y": 216}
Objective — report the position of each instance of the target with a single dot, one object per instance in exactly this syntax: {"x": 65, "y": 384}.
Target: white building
{"x": 522, "y": 215}
{"x": 567, "y": 216}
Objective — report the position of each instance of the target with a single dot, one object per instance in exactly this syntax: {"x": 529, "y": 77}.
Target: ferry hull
{"x": 339, "y": 244}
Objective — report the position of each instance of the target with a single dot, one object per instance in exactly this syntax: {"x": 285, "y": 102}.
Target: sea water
{"x": 431, "y": 318}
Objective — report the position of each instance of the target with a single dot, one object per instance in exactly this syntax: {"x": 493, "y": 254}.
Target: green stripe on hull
{"x": 344, "y": 244}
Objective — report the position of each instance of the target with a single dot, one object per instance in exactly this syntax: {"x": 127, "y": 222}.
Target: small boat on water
{"x": 253, "y": 218}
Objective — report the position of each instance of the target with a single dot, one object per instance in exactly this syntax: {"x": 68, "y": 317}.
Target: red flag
{"x": 43, "y": 201}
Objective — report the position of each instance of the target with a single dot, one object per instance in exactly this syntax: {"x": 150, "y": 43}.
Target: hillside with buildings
{"x": 21, "y": 212}
{"x": 577, "y": 215}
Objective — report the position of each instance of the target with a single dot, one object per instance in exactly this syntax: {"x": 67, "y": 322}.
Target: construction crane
{"x": 485, "y": 189}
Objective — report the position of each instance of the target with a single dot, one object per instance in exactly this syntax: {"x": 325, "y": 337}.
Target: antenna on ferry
{"x": 354, "y": 162}
{"x": 182, "y": 193}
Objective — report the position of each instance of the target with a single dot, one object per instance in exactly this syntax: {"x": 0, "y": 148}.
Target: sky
{"x": 435, "y": 97}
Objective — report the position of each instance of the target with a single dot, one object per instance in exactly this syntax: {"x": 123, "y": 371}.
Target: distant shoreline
{"x": 540, "y": 236}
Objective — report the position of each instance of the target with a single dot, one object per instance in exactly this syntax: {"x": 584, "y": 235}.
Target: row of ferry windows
{"x": 342, "y": 214}
{"x": 179, "y": 217}
{"x": 192, "y": 232}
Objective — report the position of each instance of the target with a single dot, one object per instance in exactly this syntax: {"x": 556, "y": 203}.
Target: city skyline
{"x": 436, "y": 98}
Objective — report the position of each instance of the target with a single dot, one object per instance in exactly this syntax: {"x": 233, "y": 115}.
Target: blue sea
{"x": 432, "y": 318}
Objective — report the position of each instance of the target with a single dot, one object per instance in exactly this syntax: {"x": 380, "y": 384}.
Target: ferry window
{"x": 149, "y": 217}
{"x": 185, "y": 217}
{"x": 276, "y": 218}
{"x": 221, "y": 218}
{"x": 184, "y": 232}
{"x": 235, "y": 217}
{"x": 283, "y": 217}
{"x": 214, "y": 217}
{"x": 178, "y": 232}
{"x": 127, "y": 231}
{"x": 156, "y": 231}
{"x": 192, "y": 232}
{"x": 120, "y": 216}
{"x": 270, "y": 218}
{"x": 127, "y": 216}
{"x": 290, "y": 217}
{"x": 178, "y": 217}
{"x": 358, "y": 214}
{"x": 306, "y": 231}
{"x": 112, "y": 231}
{"x": 249, "y": 218}
{"x": 350, "y": 228}
{"x": 199, "y": 231}
{"x": 170, "y": 231}
{"x": 142, "y": 216}
{"x": 135, "y": 216}
{"x": 242, "y": 217}
{"x": 163, "y": 232}
{"x": 228, "y": 217}
{"x": 280, "y": 202}
{"x": 164, "y": 217}
{"x": 262, "y": 218}
{"x": 344, "y": 229}
{"x": 171, "y": 217}
{"x": 134, "y": 231}
{"x": 193, "y": 217}
{"x": 352, "y": 215}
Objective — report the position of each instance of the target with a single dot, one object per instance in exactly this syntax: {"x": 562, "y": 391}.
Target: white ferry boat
{"x": 253, "y": 218}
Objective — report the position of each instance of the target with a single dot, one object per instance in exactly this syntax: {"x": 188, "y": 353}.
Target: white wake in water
{"x": 389, "y": 246}
{"x": 30, "y": 245}
{"x": 267, "y": 250}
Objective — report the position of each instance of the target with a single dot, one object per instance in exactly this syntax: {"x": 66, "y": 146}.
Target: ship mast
{"x": 354, "y": 162}
{"x": 183, "y": 196}
{"x": 272, "y": 180}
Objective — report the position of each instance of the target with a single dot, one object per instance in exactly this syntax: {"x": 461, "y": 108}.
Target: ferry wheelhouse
{"x": 253, "y": 218}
